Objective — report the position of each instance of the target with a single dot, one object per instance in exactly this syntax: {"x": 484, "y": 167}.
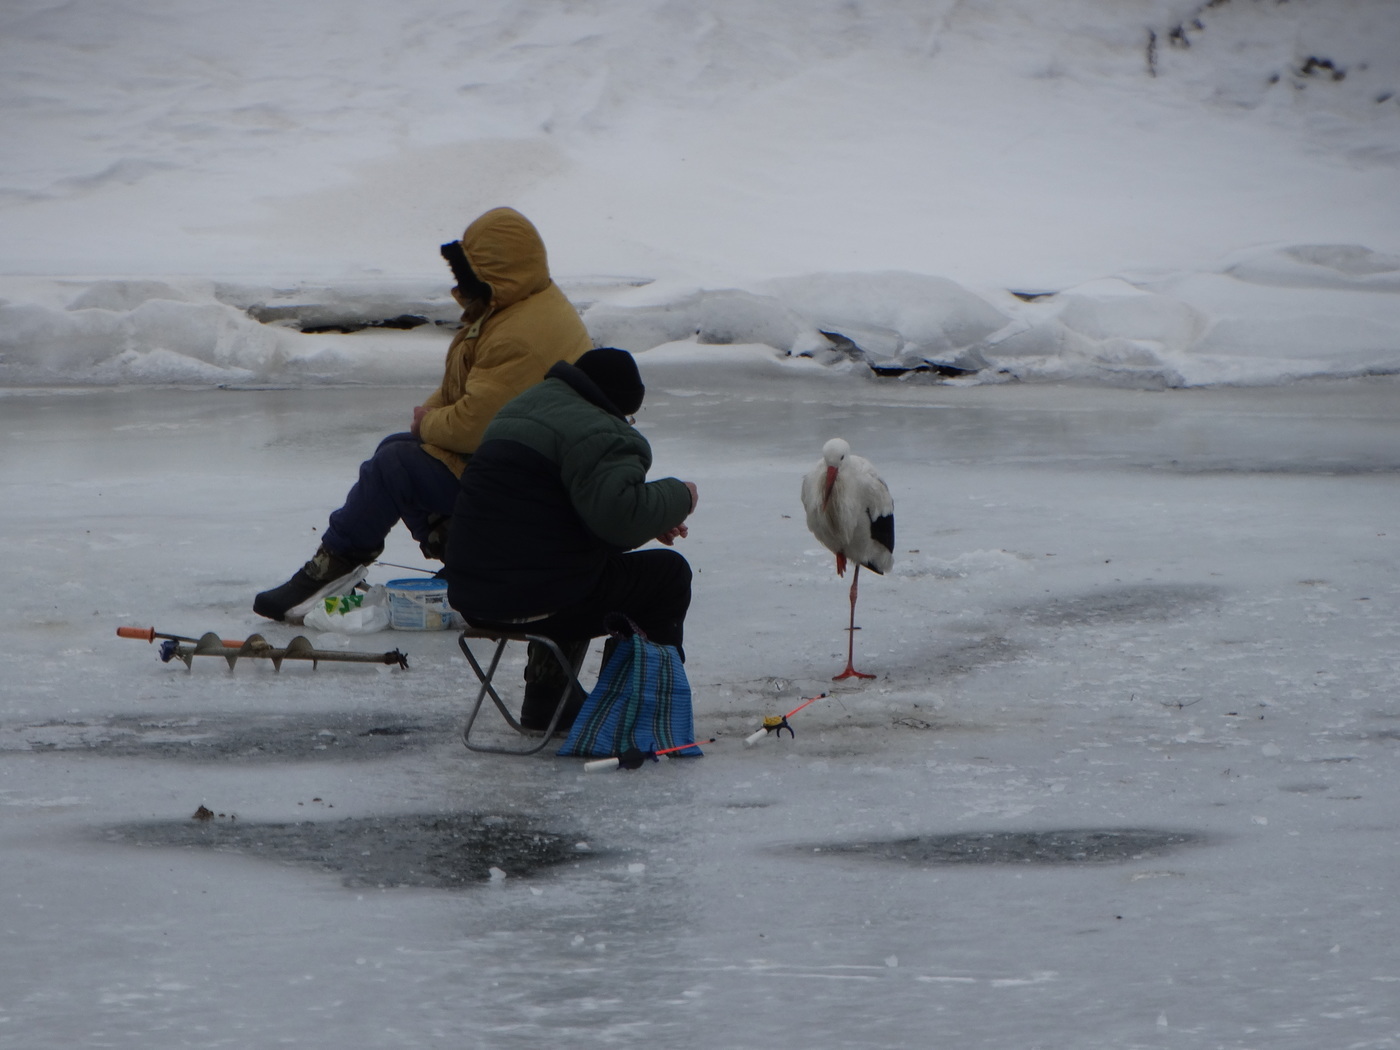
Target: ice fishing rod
{"x": 254, "y": 646}
{"x": 633, "y": 757}
{"x": 410, "y": 568}
{"x": 777, "y": 723}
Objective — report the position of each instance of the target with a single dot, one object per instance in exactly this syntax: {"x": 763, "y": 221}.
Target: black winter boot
{"x": 541, "y": 698}
{"x": 326, "y": 573}
{"x": 544, "y": 685}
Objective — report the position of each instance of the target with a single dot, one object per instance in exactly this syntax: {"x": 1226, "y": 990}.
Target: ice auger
{"x": 255, "y": 646}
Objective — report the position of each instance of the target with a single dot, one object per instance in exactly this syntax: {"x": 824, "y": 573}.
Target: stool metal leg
{"x": 489, "y": 689}
{"x": 485, "y": 678}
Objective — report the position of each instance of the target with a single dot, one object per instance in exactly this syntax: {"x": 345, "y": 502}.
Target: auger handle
{"x": 150, "y": 634}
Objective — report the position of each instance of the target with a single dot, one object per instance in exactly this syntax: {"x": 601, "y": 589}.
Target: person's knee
{"x": 403, "y": 438}
{"x": 401, "y": 467}
{"x": 670, "y": 576}
{"x": 390, "y": 455}
{"x": 673, "y": 566}
{"x": 676, "y": 584}
{"x": 682, "y": 571}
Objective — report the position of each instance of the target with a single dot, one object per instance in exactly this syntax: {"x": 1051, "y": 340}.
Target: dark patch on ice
{"x": 1383, "y": 734}
{"x": 403, "y": 322}
{"x": 937, "y": 368}
{"x": 989, "y": 650}
{"x": 256, "y": 737}
{"x": 357, "y": 315}
{"x": 910, "y": 722}
{"x": 1141, "y": 602}
{"x": 968, "y": 362}
{"x": 1070, "y": 846}
{"x": 433, "y": 850}
{"x": 1315, "y": 65}
{"x": 1309, "y": 788}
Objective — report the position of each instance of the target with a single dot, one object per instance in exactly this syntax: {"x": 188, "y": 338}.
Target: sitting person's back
{"x": 554, "y": 497}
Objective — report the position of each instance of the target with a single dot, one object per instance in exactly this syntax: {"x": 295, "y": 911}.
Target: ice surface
{"x": 1114, "y": 613}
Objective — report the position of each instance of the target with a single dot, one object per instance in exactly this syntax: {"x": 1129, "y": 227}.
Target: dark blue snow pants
{"x": 400, "y": 482}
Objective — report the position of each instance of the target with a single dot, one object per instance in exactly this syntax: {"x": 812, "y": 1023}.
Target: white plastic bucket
{"x": 419, "y": 605}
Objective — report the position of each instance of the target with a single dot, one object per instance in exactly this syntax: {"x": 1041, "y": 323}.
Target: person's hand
{"x": 670, "y": 536}
{"x": 418, "y": 414}
{"x": 694, "y": 494}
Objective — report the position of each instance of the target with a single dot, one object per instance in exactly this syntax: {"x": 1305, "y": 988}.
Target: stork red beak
{"x": 830, "y": 481}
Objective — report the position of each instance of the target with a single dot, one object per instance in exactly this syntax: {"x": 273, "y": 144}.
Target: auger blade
{"x": 255, "y": 645}
{"x": 300, "y": 648}
{"x": 210, "y": 644}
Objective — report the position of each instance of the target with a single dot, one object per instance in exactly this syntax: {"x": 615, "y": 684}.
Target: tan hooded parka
{"x": 507, "y": 348}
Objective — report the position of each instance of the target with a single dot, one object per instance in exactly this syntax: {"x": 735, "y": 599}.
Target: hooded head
{"x": 614, "y": 372}
{"x": 503, "y": 250}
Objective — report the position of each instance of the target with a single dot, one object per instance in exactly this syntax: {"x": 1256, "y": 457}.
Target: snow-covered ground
{"x": 1131, "y": 272}
{"x": 1208, "y": 187}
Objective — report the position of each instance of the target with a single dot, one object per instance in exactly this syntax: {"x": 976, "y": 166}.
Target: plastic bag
{"x": 355, "y": 613}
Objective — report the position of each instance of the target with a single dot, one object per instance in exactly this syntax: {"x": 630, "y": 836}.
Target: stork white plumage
{"x": 850, "y": 510}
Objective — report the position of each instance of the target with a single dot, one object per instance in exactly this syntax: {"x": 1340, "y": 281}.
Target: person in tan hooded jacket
{"x": 516, "y": 324}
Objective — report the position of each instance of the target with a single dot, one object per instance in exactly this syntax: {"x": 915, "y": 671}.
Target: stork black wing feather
{"x": 882, "y": 532}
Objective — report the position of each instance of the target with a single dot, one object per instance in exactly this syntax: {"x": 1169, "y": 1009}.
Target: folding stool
{"x": 501, "y": 637}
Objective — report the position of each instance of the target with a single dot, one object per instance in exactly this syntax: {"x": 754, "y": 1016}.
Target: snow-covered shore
{"x": 1265, "y": 317}
{"x": 1207, "y": 189}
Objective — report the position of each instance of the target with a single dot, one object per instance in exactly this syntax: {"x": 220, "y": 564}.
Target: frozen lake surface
{"x": 1126, "y": 777}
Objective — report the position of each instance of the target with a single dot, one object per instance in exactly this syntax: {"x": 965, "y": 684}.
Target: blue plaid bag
{"x": 641, "y": 701}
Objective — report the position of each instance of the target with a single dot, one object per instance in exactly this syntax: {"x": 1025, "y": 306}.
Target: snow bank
{"x": 714, "y": 317}
{"x": 1270, "y": 316}
{"x": 142, "y": 332}
{"x": 965, "y": 189}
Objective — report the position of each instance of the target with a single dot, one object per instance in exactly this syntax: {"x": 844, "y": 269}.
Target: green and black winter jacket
{"x": 556, "y": 488}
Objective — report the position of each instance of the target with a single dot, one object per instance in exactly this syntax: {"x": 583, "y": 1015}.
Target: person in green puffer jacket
{"x": 552, "y": 505}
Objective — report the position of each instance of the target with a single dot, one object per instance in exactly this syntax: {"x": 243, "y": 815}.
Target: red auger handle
{"x": 150, "y": 634}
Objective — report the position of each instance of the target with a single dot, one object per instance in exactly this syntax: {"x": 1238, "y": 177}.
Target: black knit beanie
{"x": 615, "y": 373}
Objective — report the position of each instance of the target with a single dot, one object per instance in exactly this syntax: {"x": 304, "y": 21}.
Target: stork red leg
{"x": 850, "y": 671}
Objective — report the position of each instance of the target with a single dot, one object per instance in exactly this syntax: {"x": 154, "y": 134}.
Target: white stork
{"x": 850, "y": 511}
